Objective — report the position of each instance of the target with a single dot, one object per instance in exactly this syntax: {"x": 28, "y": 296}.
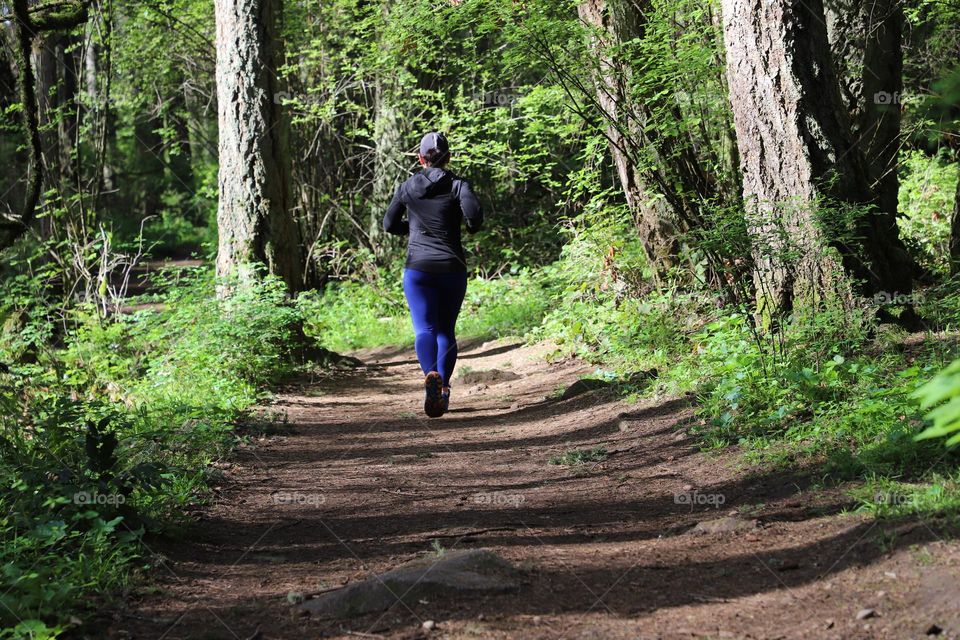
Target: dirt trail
{"x": 361, "y": 483}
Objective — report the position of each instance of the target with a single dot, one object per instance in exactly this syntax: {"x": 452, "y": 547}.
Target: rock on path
{"x": 454, "y": 573}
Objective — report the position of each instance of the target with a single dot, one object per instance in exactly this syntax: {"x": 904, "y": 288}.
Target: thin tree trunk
{"x": 657, "y": 224}
{"x": 254, "y": 215}
{"x": 388, "y": 139}
{"x": 797, "y": 152}
{"x": 54, "y": 70}
{"x": 97, "y": 85}
{"x": 955, "y": 234}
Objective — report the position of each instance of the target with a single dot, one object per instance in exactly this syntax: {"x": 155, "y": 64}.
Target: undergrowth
{"x": 109, "y": 427}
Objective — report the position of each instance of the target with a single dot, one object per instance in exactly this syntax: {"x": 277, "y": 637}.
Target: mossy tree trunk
{"x": 616, "y": 22}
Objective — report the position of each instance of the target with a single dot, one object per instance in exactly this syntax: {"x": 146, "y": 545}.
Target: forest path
{"x": 361, "y": 482}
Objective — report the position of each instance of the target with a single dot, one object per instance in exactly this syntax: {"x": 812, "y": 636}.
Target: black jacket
{"x": 436, "y": 202}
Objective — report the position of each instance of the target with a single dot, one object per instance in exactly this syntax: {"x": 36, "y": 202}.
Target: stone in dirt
{"x": 456, "y": 573}
{"x": 728, "y": 524}
{"x": 582, "y": 386}
{"x": 585, "y": 385}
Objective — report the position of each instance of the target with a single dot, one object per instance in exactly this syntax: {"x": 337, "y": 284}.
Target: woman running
{"x": 436, "y": 202}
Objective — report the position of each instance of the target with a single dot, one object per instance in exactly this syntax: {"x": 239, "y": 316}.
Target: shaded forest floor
{"x": 358, "y": 481}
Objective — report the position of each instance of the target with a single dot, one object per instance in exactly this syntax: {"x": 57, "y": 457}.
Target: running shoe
{"x": 433, "y": 400}
{"x": 445, "y": 400}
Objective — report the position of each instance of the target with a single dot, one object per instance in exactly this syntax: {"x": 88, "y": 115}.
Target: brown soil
{"x": 361, "y": 482}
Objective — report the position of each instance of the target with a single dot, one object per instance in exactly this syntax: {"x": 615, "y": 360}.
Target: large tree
{"x": 866, "y": 40}
{"x": 254, "y": 218}
{"x": 802, "y": 169}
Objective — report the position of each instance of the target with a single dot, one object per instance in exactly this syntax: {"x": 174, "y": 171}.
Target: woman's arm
{"x": 472, "y": 211}
{"x": 393, "y": 222}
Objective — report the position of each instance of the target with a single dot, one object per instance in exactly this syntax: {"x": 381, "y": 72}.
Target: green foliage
{"x": 111, "y": 435}
{"x": 31, "y": 630}
{"x": 927, "y": 194}
{"x": 942, "y": 396}
{"x": 353, "y": 315}
{"x": 501, "y": 307}
{"x": 889, "y": 498}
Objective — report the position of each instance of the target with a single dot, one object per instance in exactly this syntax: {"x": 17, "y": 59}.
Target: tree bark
{"x": 797, "y": 154}
{"x": 23, "y": 34}
{"x": 254, "y": 215}
{"x": 387, "y": 142}
{"x": 866, "y": 40}
{"x": 616, "y": 22}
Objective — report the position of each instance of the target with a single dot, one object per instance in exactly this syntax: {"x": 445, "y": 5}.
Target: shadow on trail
{"x": 628, "y": 582}
{"x": 387, "y": 502}
{"x": 453, "y": 514}
{"x": 337, "y": 441}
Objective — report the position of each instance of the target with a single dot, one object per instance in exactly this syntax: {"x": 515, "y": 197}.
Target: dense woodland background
{"x": 753, "y": 202}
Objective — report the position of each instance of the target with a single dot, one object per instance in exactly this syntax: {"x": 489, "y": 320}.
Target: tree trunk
{"x": 619, "y": 21}
{"x": 955, "y": 234}
{"x": 797, "y": 154}
{"x": 386, "y": 172}
{"x": 24, "y": 29}
{"x": 55, "y": 73}
{"x": 148, "y": 162}
{"x": 254, "y": 215}
{"x": 180, "y": 152}
{"x": 866, "y": 40}
{"x": 100, "y": 116}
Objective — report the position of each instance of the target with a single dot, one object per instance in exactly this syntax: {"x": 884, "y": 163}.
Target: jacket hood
{"x": 427, "y": 182}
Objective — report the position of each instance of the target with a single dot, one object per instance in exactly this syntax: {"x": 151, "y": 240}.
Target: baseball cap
{"x": 434, "y": 140}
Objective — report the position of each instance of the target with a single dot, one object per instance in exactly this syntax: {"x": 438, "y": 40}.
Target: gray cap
{"x": 434, "y": 140}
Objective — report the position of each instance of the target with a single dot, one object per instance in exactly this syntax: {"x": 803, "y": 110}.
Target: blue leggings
{"x": 435, "y": 300}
